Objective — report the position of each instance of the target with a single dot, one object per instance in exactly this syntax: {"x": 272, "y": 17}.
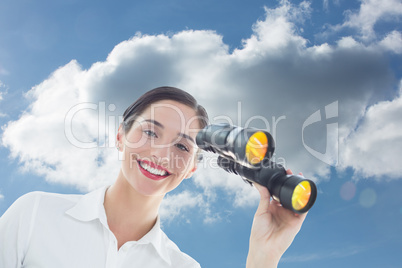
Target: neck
{"x": 130, "y": 215}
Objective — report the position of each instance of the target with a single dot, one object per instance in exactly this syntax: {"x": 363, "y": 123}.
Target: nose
{"x": 161, "y": 154}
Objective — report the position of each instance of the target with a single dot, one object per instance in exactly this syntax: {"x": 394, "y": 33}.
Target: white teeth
{"x": 152, "y": 170}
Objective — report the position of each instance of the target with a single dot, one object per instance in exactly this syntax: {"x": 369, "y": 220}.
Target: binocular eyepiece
{"x": 247, "y": 152}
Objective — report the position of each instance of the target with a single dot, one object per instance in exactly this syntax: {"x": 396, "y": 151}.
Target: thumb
{"x": 264, "y": 199}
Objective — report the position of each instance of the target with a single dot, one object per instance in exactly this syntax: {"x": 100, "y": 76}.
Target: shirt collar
{"x": 90, "y": 207}
{"x": 156, "y": 237}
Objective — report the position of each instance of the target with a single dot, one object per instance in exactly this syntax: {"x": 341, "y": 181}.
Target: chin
{"x": 147, "y": 189}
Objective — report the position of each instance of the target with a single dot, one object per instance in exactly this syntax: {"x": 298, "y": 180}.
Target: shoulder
{"x": 37, "y": 195}
{"x": 54, "y": 199}
{"x": 21, "y": 220}
{"x": 177, "y": 257}
{"x": 23, "y": 212}
{"x": 31, "y": 202}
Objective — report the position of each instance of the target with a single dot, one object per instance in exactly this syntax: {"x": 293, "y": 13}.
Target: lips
{"x": 152, "y": 170}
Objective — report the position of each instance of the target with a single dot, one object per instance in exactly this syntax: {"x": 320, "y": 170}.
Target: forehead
{"x": 173, "y": 114}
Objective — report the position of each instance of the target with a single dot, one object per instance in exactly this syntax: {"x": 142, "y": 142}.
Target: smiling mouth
{"x": 152, "y": 171}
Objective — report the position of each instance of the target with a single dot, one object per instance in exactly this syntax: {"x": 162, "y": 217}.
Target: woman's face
{"x": 159, "y": 150}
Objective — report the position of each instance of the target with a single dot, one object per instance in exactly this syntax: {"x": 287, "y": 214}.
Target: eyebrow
{"x": 187, "y": 137}
{"x": 156, "y": 123}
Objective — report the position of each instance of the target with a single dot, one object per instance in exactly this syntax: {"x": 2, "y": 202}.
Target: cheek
{"x": 182, "y": 162}
{"x": 136, "y": 141}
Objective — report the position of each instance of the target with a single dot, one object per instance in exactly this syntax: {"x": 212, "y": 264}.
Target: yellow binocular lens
{"x": 256, "y": 147}
{"x": 301, "y": 195}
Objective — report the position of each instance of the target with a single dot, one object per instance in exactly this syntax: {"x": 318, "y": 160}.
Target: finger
{"x": 264, "y": 199}
{"x": 289, "y": 172}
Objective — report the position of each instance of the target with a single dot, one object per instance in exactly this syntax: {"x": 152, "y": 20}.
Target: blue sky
{"x": 270, "y": 64}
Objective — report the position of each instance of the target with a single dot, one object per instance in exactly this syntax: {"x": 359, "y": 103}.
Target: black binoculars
{"x": 247, "y": 152}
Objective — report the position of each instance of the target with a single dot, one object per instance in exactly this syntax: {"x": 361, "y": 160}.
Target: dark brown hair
{"x": 158, "y": 94}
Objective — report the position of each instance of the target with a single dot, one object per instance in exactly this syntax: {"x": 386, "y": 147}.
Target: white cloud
{"x": 3, "y": 71}
{"x": 325, "y": 5}
{"x": 373, "y": 149}
{"x": 276, "y": 33}
{"x": 2, "y": 87}
{"x": 1, "y": 197}
{"x": 369, "y": 14}
{"x": 349, "y": 42}
{"x": 174, "y": 205}
{"x": 279, "y": 80}
{"x": 38, "y": 138}
{"x": 2, "y": 93}
{"x": 392, "y": 42}
{"x": 329, "y": 254}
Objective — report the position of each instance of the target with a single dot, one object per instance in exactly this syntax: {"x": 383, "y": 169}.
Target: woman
{"x": 118, "y": 226}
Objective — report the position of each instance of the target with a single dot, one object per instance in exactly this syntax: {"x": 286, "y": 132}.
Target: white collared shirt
{"x": 54, "y": 230}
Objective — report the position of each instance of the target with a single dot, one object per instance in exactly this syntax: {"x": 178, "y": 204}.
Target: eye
{"x": 150, "y": 133}
{"x": 182, "y": 147}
